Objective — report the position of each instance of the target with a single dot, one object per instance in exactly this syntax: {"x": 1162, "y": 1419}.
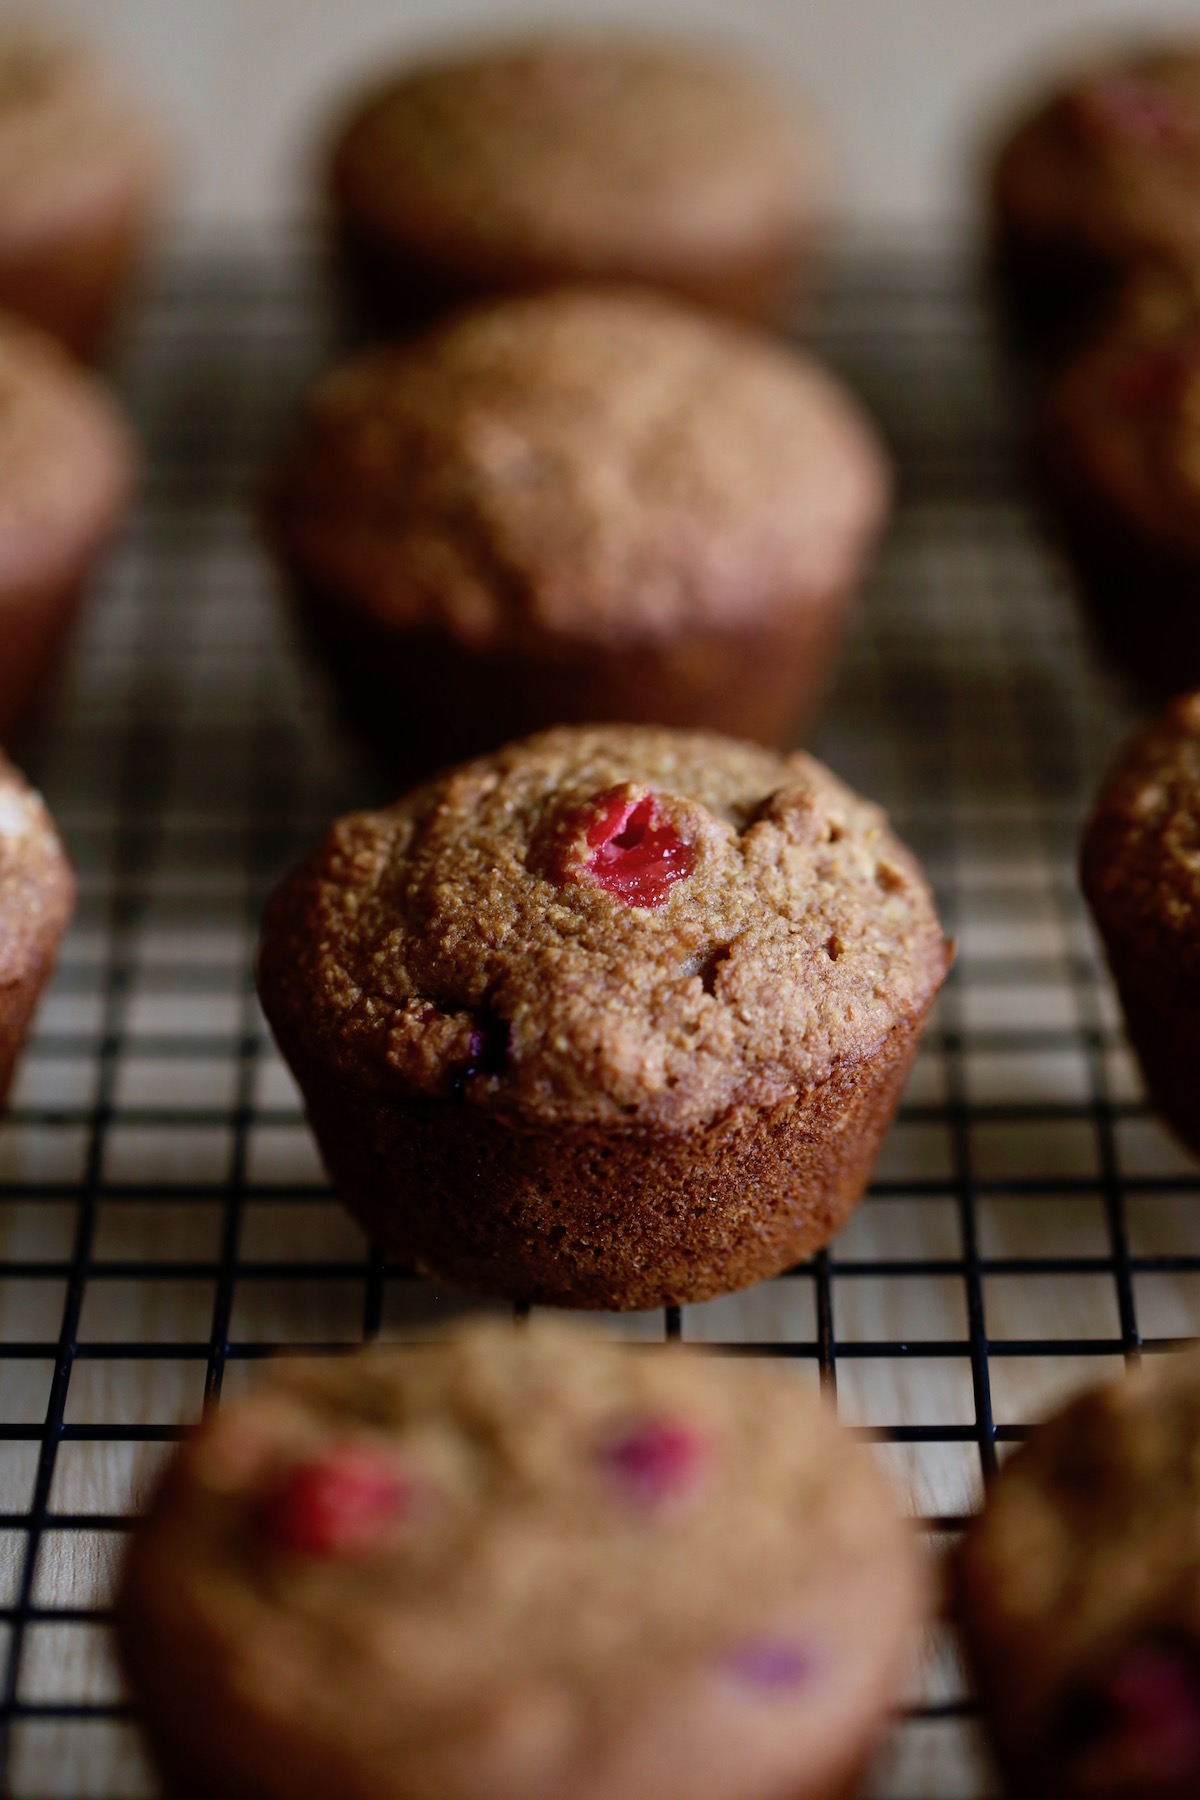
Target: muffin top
{"x": 587, "y": 465}
{"x": 611, "y": 925}
{"x": 1141, "y": 848}
{"x": 66, "y": 460}
{"x": 1124, "y": 415}
{"x": 1081, "y": 1574}
{"x": 577, "y": 156}
{"x": 1113, "y": 159}
{"x": 531, "y": 1548}
{"x": 37, "y": 889}
{"x": 71, "y": 145}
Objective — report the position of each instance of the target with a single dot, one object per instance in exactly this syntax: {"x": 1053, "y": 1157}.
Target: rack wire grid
{"x": 164, "y": 1222}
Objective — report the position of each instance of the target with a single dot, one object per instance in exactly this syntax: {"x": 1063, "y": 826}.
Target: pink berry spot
{"x": 1137, "y": 110}
{"x": 658, "y": 1462}
{"x": 341, "y": 1504}
{"x": 633, "y": 852}
{"x": 1141, "y": 1726}
{"x": 770, "y": 1667}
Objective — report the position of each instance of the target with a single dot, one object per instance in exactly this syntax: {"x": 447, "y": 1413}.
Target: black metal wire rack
{"x": 164, "y": 1224}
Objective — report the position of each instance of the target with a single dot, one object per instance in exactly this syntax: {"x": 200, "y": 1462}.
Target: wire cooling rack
{"x": 164, "y": 1224}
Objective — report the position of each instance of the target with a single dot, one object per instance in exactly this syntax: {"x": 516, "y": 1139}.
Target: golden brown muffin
{"x": 568, "y": 158}
{"x": 586, "y": 505}
{"x": 1119, "y": 454}
{"x": 1100, "y": 178}
{"x": 66, "y": 479}
{"x": 37, "y": 893}
{"x": 1079, "y": 1597}
{"x": 615, "y": 1017}
{"x": 523, "y": 1565}
{"x": 1141, "y": 876}
{"x": 81, "y": 176}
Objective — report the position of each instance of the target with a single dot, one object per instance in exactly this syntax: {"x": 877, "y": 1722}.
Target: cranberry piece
{"x": 658, "y": 1462}
{"x": 634, "y": 852}
{"x": 1136, "y": 109}
{"x": 343, "y": 1503}
{"x": 769, "y": 1665}
{"x": 1141, "y": 1724}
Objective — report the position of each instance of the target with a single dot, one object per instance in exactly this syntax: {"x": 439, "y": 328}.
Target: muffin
{"x": 1079, "y": 1598}
{"x": 614, "y": 1017}
{"x": 585, "y": 505}
{"x": 1101, "y": 178}
{"x": 37, "y": 893}
{"x": 575, "y": 158}
{"x": 1141, "y": 876}
{"x": 66, "y": 481}
{"x": 81, "y": 172}
{"x": 1118, "y": 449}
{"x": 520, "y": 1565}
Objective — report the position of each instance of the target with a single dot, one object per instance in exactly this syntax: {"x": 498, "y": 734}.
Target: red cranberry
{"x": 634, "y": 852}
{"x": 1141, "y": 1725}
{"x": 658, "y": 1462}
{"x": 1146, "y": 384}
{"x": 343, "y": 1503}
{"x": 1136, "y": 109}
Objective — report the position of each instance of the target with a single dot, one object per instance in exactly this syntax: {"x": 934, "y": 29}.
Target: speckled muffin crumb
{"x": 567, "y": 158}
{"x": 612, "y": 1016}
{"x": 1079, "y": 1597}
{"x": 520, "y": 1565}
{"x": 1141, "y": 876}
{"x": 37, "y": 892}
{"x": 593, "y": 504}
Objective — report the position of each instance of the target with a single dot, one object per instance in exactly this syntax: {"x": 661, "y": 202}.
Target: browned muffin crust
{"x": 80, "y": 181}
{"x": 567, "y": 158}
{"x": 1119, "y": 453}
{"x": 37, "y": 893}
{"x": 66, "y": 478}
{"x": 1141, "y": 876}
{"x": 585, "y": 505}
{"x": 532, "y": 1084}
{"x": 1098, "y": 178}
{"x": 1079, "y": 1600}
{"x": 520, "y": 1566}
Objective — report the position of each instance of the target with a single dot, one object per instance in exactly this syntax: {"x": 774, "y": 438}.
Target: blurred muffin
{"x": 1141, "y": 877}
{"x": 80, "y": 181}
{"x": 37, "y": 893}
{"x": 520, "y": 1565}
{"x": 66, "y": 478}
{"x": 568, "y": 158}
{"x": 587, "y": 504}
{"x": 615, "y": 1017}
{"x": 1119, "y": 455}
{"x": 1079, "y": 1598}
{"x": 1100, "y": 177}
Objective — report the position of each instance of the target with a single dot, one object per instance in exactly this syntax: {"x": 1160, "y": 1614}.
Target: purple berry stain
{"x": 770, "y": 1666}
{"x": 1142, "y": 1722}
{"x": 658, "y": 1462}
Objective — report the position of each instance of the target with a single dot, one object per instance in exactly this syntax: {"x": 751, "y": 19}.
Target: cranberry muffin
{"x": 1079, "y": 1598}
{"x": 614, "y": 1017}
{"x": 1118, "y": 449}
{"x": 520, "y": 1565}
{"x": 1141, "y": 876}
{"x": 37, "y": 893}
{"x": 66, "y": 480}
{"x": 1100, "y": 178}
{"x": 81, "y": 175}
{"x": 575, "y": 158}
{"x": 586, "y": 505}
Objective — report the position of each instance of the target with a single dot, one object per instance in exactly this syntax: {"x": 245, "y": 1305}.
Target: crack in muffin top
{"x": 595, "y": 155}
{"x": 582, "y": 466}
{"x": 468, "y": 942}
